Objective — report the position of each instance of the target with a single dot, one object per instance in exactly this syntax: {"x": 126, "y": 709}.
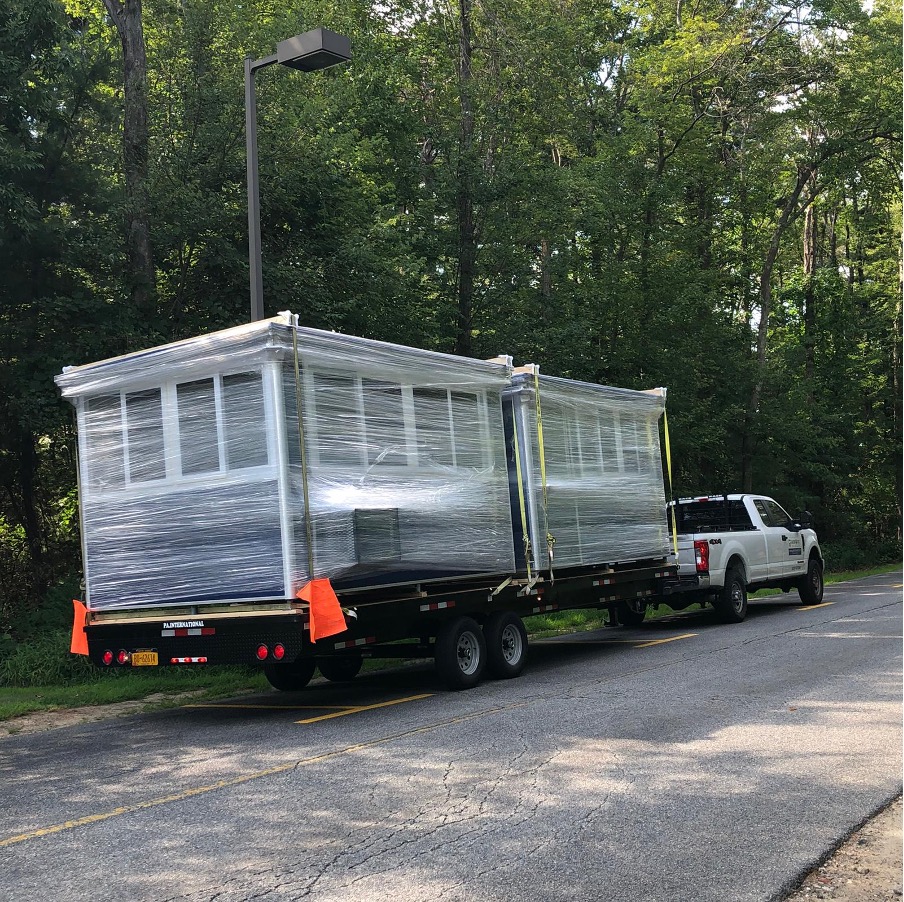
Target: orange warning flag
{"x": 326, "y": 617}
{"x": 79, "y": 644}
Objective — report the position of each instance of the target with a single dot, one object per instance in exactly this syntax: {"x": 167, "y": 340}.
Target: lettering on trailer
{"x": 184, "y": 631}
{"x": 182, "y": 624}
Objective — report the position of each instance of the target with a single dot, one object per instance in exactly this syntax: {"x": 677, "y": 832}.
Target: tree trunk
{"x": 467, "y": 239}
{"x": 788, "y": 210}
{"x": 126, "y": 17}
{"x": 809, "y": 339}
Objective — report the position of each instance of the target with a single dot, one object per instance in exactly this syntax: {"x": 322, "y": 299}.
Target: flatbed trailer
{"x": 417, "y": 504}
{"x": 471, "y": 628}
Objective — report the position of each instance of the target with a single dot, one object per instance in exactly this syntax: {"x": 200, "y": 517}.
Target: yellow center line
{"x": 250, "y": 707}
{"x": 663, "y": 641}
{"x": 565, "y": 642}
{"x": 246, "y": 778}
{"x": 635, "y": 642}
{"x": 357, "y": 709}
{"x": 812, "y": 607}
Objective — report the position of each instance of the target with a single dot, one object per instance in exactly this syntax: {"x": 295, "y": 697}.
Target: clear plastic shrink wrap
{"x": 193, "y": 482}
{"x": 195, "y": 474}
{"x": 604, "y": 500}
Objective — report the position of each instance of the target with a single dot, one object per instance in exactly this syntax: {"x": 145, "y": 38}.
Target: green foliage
{"x": 44, "y": 660}
{"x": 626, "y": 168}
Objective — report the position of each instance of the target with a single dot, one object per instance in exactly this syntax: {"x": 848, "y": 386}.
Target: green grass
{"x": 68, "y": 681}
{"x": 842, "y": 576}
{"x": 129, "y": 686}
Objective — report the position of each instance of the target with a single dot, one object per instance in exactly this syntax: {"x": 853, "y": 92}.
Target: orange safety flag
{"x": 326, "y": 617}
{"x": 79, "y": 645}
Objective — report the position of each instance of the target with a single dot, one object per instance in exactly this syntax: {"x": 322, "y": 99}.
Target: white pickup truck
{"x": 729, "y": 545}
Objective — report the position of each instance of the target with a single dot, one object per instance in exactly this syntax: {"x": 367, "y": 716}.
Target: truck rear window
{"x": 712, "y": 516}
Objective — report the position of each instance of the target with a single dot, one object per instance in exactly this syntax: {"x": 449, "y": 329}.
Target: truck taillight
{"x": 108, "y": 657}
{"x": 262, "y": 652}
{"x": 701, "y": 555}
{"x": 123, "y": 657}
{"x": 279, "y": 651}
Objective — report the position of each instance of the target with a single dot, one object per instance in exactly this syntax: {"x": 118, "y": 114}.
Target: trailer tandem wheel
{"x": 341, "y": 668}
{"x": 290, "y": 677}
{"x": 506, "y": 640}
{"x": 460, "y": 653}
{"x": 631, "y": 613}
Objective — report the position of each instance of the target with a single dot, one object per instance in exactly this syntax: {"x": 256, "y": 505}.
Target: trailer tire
{"x": 506, "y": 640}
{"x": 290, "y": 677}
{"x": 631, "y": 613}
{"x": 341, "y": 668}
{"x": 460, "y": 653}
{"x": 731, "y": 602}
{"x": 811, "y": 587}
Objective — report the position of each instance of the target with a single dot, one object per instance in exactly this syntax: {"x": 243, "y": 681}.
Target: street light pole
{"x": 308, "y": 52}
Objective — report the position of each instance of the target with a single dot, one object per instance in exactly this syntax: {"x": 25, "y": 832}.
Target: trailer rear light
{"x": 107, "y": 657}
{"x": 201, "y": 660}
{"x": 279, "y": 651}
{"x": 123, "y": 657}
{"x": 701, "y": 554}
{"x": 262, "y": 652}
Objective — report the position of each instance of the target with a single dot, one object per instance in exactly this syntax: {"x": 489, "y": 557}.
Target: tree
{"x": 127, "y": 17}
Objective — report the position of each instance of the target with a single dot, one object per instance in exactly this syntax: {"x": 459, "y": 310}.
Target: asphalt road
{"x": 720, "y": 765}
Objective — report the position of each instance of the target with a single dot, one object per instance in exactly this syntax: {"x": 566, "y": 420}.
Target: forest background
{"x": 699, "y": 194}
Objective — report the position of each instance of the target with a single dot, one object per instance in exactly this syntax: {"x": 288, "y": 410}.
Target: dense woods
{"x": 701, "y": 195}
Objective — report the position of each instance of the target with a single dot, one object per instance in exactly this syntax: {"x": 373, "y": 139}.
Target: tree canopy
{"x": 705, "y": 196}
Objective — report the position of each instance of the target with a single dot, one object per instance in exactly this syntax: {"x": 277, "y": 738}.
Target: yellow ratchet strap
{"x": 550, "y": 538}
{"x": 668, "y": 462}
{"x": 308, "y": 526}
{"x": 521, "y": 503}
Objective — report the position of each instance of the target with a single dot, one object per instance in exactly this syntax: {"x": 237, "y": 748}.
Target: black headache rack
{"x": 714, "y": 513}
{"x": 233, "y": 634}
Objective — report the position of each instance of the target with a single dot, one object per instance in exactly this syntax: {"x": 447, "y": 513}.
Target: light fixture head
{"x": 317, "y": 49}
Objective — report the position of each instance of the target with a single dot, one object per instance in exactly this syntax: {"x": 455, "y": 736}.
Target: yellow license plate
{"x": 144, "y": 659}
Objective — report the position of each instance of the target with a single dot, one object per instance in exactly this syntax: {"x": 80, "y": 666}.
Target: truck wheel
{"x": 631, "y": 613}
{"x": 731, "y": 602}
{"x": 506, "y": 640}
{"x": 460, "y": 653}
{"x": 340, "y": 668}
{"x": 810, "y": 587}
{"x": 290, "y": 677}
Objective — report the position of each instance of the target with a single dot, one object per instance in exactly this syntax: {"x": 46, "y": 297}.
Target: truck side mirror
{"x": 805, "y": 519}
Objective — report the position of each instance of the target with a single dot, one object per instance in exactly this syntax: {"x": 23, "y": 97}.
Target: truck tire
{"x": 340, "y": 668}
{"x": 811, "y": 587}
{"x": 631, "y": 613}
{"x": 731, "y": 602}
{"x": 290, "y": 677}
{"x": 506, "y": 640}
{"x": 460, "y": 653}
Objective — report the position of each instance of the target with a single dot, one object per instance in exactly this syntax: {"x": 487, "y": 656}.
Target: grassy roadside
{"x": 109, "y": 688}
{"x": 82, "y": 685}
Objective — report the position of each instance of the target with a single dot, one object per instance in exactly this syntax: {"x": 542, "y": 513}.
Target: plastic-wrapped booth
{"x": 195, "y": 473}
{"x": 587, "y": 485}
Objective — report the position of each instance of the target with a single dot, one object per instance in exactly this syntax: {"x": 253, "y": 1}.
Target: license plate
{"x": 144, "y": 659}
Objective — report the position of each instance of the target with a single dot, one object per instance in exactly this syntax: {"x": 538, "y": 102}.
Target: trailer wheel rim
{"x": 468, "y": 653}
{"x": 512, "y": 644}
